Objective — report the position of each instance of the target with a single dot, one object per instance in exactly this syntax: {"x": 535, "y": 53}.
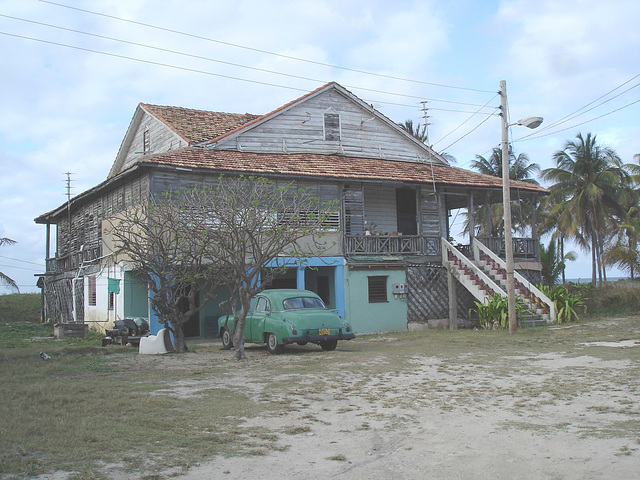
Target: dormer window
{"x": 146, "y": 142}
{"x": 332, "y": 126}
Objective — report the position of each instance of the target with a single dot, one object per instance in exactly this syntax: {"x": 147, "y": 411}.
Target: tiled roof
{"x": 328, "y": 166}
{"x": 198, "y": 125}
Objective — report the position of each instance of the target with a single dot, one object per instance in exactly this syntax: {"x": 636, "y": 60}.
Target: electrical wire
{"x": 578, "y": 124}
{"x": 467, "y": 134}
{"x": 209, "y": 59}
{"x": 235, "y": 45}
{"x": 576, "y": 113}
{"x": 469, "y": 118}
{"x": 22, "y": 261}
{"x": 193, "y": 70}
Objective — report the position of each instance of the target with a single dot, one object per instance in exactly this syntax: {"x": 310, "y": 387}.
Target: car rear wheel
{"x": 328, "y": 345}
{"x": 272, "y": 344}
{"x": 227, "y": 339}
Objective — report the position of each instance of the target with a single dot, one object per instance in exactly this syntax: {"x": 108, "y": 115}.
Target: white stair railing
{"x": 450, "y": 255}
{"x": 480, "y": 247}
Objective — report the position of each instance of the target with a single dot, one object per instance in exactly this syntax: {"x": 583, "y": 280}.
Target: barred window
{"x": 112, "y": 300}
{"x": 377, "y": 289}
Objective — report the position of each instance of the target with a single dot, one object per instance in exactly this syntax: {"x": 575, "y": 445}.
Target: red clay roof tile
{"x": 328, "y": 166}
{"x": 198, "y": 125}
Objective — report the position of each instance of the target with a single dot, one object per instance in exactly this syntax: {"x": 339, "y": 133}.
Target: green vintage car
{"x": 285, "y": 316}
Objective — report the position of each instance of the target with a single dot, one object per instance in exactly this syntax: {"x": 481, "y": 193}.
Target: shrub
{"x": 494, "y": 311}
{"x": 566, "y": 303}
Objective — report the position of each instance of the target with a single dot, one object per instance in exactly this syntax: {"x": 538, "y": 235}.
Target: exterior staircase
{"x": 487, "y": 275}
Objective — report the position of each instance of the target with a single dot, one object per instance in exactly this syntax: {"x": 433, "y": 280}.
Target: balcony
{"x": 391, "y": 245}
{"x": 523, "y": 248}
{"x": 73, "y": 261}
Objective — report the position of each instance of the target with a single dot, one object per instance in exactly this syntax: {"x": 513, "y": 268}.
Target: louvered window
{"x": 92, "y": 291}
{"x": 377, "y": 289}
{"x": 146, "y": 140}
{"x": 331, "y": 127}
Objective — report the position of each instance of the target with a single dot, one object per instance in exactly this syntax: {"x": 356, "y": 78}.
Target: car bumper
{"x": 318, "y": 338}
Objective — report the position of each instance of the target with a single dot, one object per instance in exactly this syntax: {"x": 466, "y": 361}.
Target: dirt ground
{"x": 572, "y": 412}
{"x": 564, "y": 404}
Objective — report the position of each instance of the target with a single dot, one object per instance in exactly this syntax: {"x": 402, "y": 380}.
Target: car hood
{"x": 312, "y": 318}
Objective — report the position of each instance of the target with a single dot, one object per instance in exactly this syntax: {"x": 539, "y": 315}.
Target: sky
{"x": 72, "y": 73}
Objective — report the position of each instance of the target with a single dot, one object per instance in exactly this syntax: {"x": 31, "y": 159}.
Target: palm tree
{"x": 5, "y": 279}
{"x": 519, "y": 169}
{"x": 587, "y": 192}
{"x": 419, "y": 131}
{"x": 553, "y": 263}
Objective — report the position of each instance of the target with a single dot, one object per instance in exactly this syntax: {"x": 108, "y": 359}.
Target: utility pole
{"x": 68, "y": 174}
{"x": 425, "y": 116}
{"x": 529, "y": 122}
{"x": 506, "y": 202}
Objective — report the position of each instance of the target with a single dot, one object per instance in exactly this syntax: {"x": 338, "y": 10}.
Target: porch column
{"x": 442, "y": 216}
{"x": 534, "y": 230}
{"x": 48, "y": 242}
{"x": 338, "y": 281}
{"x": 487, "y": 219}
{"x": 300, "y": 277}
{"x": 453, "y": 301}
{"x": 471, "y": 219}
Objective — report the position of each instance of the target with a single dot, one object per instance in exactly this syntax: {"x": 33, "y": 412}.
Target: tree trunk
{"x": 561, "y": 250}
{"x": 238, "y": 339}
{"x": 594, "y": 246}
{"x": 178, "y": 336}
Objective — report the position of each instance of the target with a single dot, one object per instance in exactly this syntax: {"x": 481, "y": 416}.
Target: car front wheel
{"x": 272, "y": 344}
{"x": 328, "y": 345}
{"x": 227, "y": 339}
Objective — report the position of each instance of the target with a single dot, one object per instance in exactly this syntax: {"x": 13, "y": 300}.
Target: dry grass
{"x": 89, "y": 410}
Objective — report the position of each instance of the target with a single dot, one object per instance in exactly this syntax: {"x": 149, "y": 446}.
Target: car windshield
{"x": 296, "y": 303}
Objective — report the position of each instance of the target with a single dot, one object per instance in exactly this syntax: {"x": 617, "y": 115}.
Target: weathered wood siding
{"x": 161, "y": 139}
{"x": 301, "y": 129}
{"x": 86, "y": 220}
{"x": 429, "y": 212}
{"x": 380, "y": 207}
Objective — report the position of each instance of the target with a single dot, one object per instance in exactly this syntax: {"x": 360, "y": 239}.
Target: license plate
{"x": 324, "y": 331}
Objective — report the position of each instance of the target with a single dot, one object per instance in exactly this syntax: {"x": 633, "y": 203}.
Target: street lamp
{"x": 529, "y": 122}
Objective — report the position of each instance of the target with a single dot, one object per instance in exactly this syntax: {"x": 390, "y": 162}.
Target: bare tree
{"x": 168, "y": 240}
{"x": 258, "y": 223}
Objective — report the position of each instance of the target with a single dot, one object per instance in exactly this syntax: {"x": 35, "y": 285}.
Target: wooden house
{"x": 392, "y": 264}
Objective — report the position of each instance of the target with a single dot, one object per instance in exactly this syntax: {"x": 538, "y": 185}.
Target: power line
{"x": 18, "y": 268}
{"x": 199, "y": 37}
{"x": 576, "y": 113}
{"x": 193, "y": 70}
{"x": 22, "y": 261}
{"x": 150, "y": 62}
{"x": 474, "y": 113}
{"x": 209, "y": 59}
{"x": 578, "y": 124}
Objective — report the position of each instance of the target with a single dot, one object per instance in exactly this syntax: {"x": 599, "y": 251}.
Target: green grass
{"x": 20, "y": 307}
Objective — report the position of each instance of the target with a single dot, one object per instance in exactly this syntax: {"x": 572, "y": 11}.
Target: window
{"x": 377, "y": 289}
{"x": 146, "y": 142}
{"x": 262, "y": 305}
{"x": 296, "y": 303}
{"x": 332, "y": 126}
{"x": 92, "y": 291}
{"x": 112, "y": 300}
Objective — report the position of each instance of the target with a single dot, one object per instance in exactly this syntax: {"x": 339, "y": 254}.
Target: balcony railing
{"x": 391, "y": 245}
{"x": 522, "y": 247}
{"x": 73, "y": 261}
